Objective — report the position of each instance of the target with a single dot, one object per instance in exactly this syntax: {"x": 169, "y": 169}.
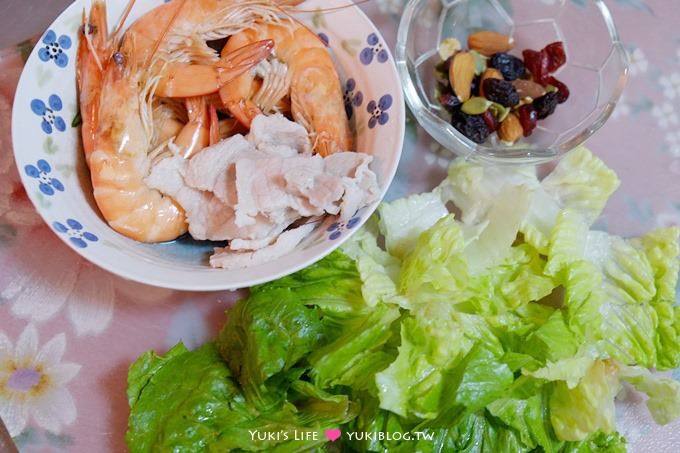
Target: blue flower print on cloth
{"x": 375, "y": 49}
{"x": 41, "y": 171}
{"x": 337, "y": 228}
{"x": 50, "y": 119}
{"x": 75, "y": 232}
{"x": 352, "y": 96}
{"x": 379, "y": 110}
{"x": 54, "y": 48}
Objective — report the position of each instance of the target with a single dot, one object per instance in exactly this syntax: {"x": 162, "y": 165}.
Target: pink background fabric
{"x": 52, "y": 299}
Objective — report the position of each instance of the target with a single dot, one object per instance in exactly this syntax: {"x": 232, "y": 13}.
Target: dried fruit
{"x": 476, "y": 105}
{"x": 510, "y": 129}
{"x": 537, "y": 64}
{"x": 528, "y": 89}
{"x": 527, "y": 118}
{"x": 489, "y": 42}
{"x": 476, "y": 86}
{"x": 556, "y": 56}
{"x": 490, "y": 73}
{"x": 562, "y": 90}
{"x": 501, "y": 91}
{"x": 450, "y": 101}
{"x": 490, "y": 120}
{"x": 546, "y": 105}
{"x": 443, "y": 66}
{"x": 472, "y": 126}
{"x": 510, "y": 66}
{"x": 448, "y": 47}
{"x": 461, "y": 74}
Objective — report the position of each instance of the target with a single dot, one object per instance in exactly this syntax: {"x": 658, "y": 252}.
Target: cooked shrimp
{"x": 305, "y": 71}
{"x": 117, "y": 77}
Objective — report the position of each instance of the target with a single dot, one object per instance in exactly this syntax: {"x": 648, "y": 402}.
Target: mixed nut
{"x": 487, "y": 90}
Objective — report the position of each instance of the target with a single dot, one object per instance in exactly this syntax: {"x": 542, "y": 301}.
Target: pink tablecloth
{"x": 62, "y": 317}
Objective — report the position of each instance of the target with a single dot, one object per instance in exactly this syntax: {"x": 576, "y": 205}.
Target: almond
{"x": 461, "y": 75}
{"x": 510, "y": 129}
{"x": 490, "y": 73}
{"x": 489, "y": 42}
{"x": 528, "y": 89}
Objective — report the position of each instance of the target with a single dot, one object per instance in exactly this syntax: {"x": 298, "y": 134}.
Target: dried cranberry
{"x": 472, "y": 126}
{"x": 546, "y": 105}
{"x": 562, "y": 89}
{"x": 501, "y": 92}
{"x": 537, "y": 63}
{"x": 527, "y": 118}
{"x": 556, "y": 56}
{"x": 510, "y": 66}
{"x": 490, "y": 120}
{"x": 450, "y": 101}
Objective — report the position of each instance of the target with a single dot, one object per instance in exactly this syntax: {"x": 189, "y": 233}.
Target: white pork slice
{"x": 226, "y": 258}
{"x": 274, "y": 133}
{"x": 261, "y": 187}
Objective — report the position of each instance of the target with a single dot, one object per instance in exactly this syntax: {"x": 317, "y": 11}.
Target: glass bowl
{"x": 595, "y": 72}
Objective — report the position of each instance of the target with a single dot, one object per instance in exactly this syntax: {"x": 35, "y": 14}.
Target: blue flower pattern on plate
{"x": 352, "y": 97}
{"x": 379, "y": 110}
{"x": 75, "y": 232}
{"x": 375, "y": 49}
{"x": 41, "y": 171}
{"x": 324, "y": 38}
{"x": 337, "y": 228}
{"x": 50, "y": 120}
{"x": 54, "y": 48}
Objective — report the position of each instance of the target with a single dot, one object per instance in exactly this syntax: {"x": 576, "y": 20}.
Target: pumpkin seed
{"x": 500, "y": 112}
{"x": 476, "y": 105}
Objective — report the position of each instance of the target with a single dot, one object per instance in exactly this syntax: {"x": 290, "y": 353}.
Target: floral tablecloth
{"x": 68, "y": 330}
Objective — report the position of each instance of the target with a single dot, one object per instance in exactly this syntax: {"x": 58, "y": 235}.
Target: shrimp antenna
{"x": 123, "y": 18}
{"x": 333, "y": 8}
{"x": 171, "y": 22}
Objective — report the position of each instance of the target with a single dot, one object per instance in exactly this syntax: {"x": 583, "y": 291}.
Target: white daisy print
{"x": 668, "y": 219}
{"x": 665, "y": 115}
{"x": 622, "y": 109}
{"x": 33, "y": 383}
{"x": 670, "y": 85}
{"x": 638, "y": 62}
{"x": 673, "y": 142}
{"x": 391, "y": 6}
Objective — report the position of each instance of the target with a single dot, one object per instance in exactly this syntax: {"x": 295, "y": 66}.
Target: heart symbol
{"x": 333, "y": 434}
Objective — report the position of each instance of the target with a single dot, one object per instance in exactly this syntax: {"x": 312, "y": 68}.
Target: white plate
{"x": 52, "y": 167}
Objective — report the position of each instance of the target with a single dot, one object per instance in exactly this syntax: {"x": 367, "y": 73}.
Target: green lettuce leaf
{"x": 266, "y": 334}
{"x": 663, "y": 393}
{"x": 355, "y": 356}
{"x": 402, "y": 221}
{"x": 588, "y": 408}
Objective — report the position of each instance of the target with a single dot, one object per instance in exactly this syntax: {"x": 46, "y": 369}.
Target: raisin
{"x": 546, "y": 105}
{"x": 562, "y": 89}
{"x": 472, "y": 126}
{"x": 450, "y": 102}
{"x": 537, "y": 64}
{"x": 510, "y": 66}
{"x": 527, "y": 118}
{"x": 501, "y": 92}
{"x": 556, "y": 56}
{"x": 490, "y": 120}
{"x": 474, "y": 88}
